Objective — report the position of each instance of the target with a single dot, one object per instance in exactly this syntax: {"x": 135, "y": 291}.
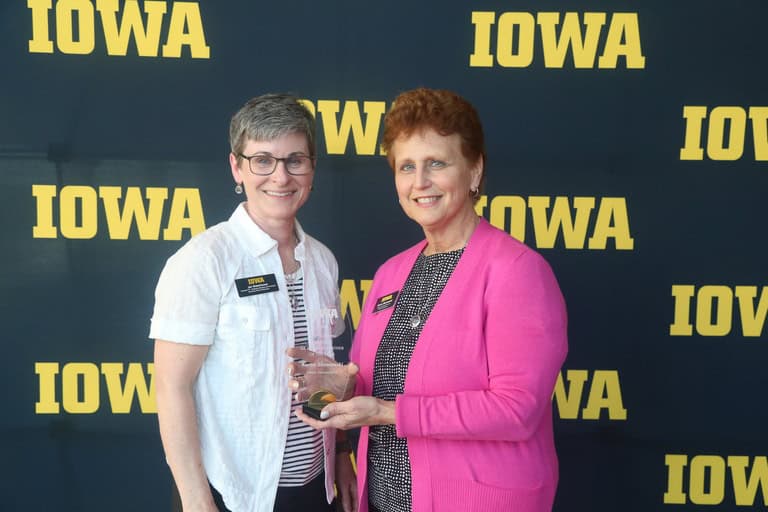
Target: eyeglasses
{"x": 264, "y": 165}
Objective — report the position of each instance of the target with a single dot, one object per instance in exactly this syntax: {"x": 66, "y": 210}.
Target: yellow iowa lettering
{"x": 709, "y": 310}
{"x": 337, "y": 132}
{"x": 604, "y": 395}
{"x": 144, "y": 208}
{"x": 579, "y": 37}
{"x": 725, "y": 130}
{"x": 574, "y": 223}
{"x": 185, "y": 28}
{"x": 80, "y": 386}
{"x": 353, "y": 295}
{"x": 702, "y": 479}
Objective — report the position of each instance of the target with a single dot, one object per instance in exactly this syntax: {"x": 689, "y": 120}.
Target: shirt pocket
{"x": 243, "y": 334}
{"x": 244, "y": 316}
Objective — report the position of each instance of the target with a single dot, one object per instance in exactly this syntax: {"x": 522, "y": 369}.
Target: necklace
{"x": 293, "y": 269}
{"x": 424, "y": 297}
{"x": 290, "y": 264}
{"x": 425, "y": 289}
{"x": 290, "y": 280}
{"x": 431, "y": 275}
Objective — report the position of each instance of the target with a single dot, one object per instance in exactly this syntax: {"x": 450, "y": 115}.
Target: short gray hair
{"x": 268, "y": 117}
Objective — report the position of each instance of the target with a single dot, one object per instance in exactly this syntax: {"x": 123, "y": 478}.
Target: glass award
{"x": 324, "y": 380}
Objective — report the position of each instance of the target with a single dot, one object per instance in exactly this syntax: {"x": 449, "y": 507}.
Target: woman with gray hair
{"x": 227, "y": 306}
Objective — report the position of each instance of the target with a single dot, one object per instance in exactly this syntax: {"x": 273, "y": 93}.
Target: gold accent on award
{"x": 316, "y": 402}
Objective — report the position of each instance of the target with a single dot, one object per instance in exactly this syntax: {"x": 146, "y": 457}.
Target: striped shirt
{"x": 303, "y": 457}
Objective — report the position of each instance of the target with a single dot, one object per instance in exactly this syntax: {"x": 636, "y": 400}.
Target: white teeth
{"x": 426, "y": 200}
{"x": 277, "y": 194}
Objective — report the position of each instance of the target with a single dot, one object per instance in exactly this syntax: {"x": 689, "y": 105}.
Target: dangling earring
{"x": 239, "y": 188}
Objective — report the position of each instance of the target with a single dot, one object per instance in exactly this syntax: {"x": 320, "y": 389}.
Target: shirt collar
{"x": 255, "y": 240}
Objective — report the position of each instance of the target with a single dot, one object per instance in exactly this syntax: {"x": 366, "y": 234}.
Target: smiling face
{"x": 275, "y": 198}
{"x": 433, "y": 181}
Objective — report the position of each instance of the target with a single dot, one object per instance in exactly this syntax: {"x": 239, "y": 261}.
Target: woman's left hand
{"x": 356, "y": 412}
{"x": 346, "y": 482}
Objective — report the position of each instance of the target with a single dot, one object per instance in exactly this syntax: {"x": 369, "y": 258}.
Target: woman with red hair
{"x": 461, "y": 339}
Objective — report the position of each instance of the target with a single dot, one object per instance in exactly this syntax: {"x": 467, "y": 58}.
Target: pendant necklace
{"x": 290, "y": 279}
{"x": 433, "y": 276}
{"x": 425, "y": 290}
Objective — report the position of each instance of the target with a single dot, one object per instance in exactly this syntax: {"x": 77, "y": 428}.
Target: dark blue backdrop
{"x": 76, "y": 122}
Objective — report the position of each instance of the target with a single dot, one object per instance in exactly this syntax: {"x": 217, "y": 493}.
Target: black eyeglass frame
{"x": 277, "y": 162}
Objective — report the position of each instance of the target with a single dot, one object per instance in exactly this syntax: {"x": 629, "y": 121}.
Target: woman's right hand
{"x": 318, "y": 372}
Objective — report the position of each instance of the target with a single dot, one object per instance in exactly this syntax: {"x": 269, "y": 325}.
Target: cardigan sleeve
{"x": 525, "y": 333}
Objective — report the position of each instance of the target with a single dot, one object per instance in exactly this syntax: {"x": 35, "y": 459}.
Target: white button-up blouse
{"x": 241, "y": 394}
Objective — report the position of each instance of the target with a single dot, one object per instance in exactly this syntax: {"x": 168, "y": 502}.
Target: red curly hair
{"x": 443, "y": 111}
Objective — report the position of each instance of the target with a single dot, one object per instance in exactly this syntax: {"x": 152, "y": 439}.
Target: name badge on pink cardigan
{"x": 385, "y": 301}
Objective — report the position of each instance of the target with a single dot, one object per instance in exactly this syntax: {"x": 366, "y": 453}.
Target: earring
{"x": 239, "y": 188}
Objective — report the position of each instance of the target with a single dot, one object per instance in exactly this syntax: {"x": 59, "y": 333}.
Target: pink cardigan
{"x": 477, "y": 404}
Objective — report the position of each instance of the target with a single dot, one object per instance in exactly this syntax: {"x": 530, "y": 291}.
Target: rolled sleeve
{"x": 193, "y": 333}
{"x": 187, "y": 298}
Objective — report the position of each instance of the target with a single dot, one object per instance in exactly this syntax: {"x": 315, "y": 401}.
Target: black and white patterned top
{"x": 303, "y": 457}
{"x": 389, "y": 468}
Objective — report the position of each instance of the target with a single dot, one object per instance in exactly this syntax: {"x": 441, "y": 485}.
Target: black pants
{"x": 309, "y": 498}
